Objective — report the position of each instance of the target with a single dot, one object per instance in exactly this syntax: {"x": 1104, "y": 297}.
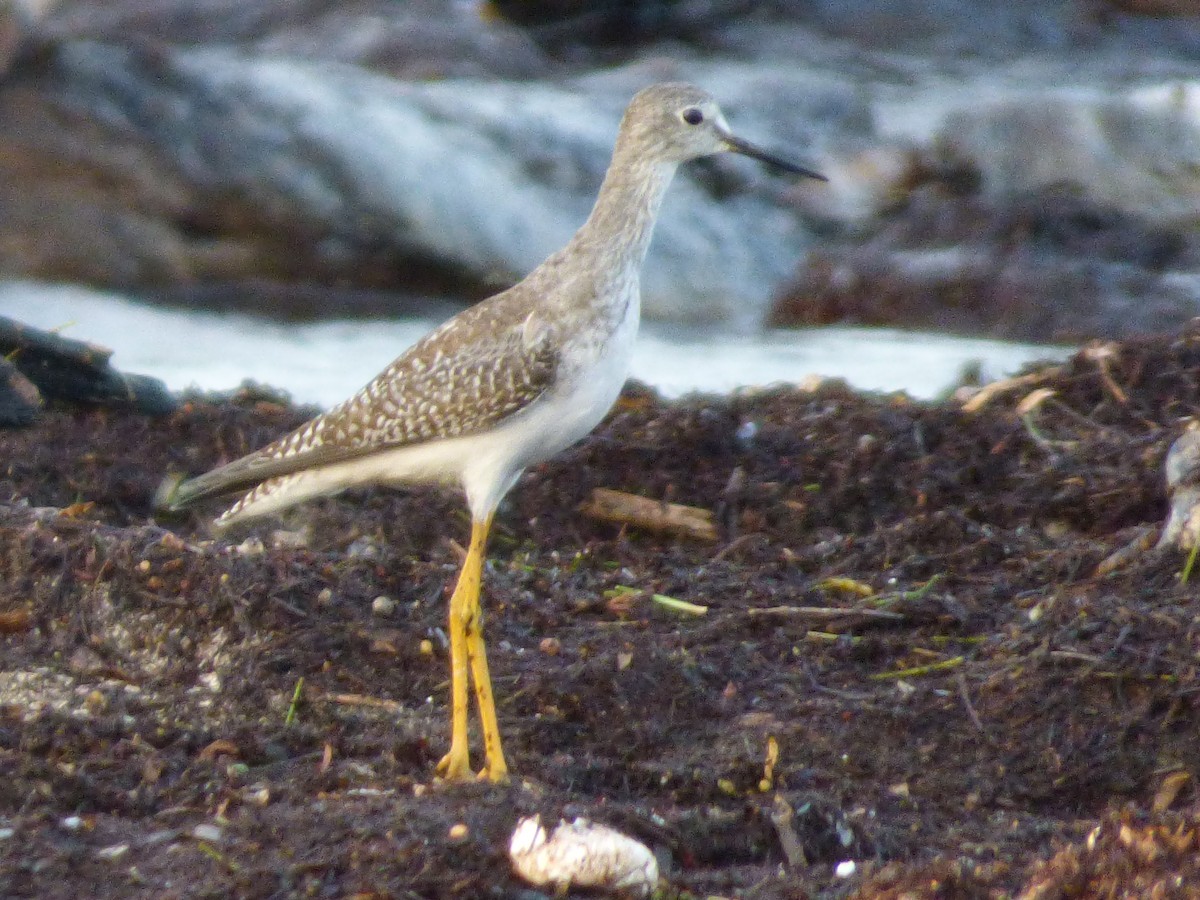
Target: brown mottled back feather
{"x": 460, "y": 379}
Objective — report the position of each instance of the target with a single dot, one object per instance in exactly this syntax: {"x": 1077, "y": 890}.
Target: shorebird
{"x": 502, "y": 385}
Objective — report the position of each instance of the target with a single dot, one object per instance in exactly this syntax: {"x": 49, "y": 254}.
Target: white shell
{"x": 583, "y": 854}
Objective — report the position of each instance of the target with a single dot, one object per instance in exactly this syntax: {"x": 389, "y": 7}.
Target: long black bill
{"x": 737, "y": 145}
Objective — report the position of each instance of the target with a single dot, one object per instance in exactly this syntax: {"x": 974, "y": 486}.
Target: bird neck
{"x": 621, "y": 224}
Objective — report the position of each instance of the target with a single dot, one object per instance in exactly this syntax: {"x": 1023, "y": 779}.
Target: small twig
{"x": 1101, "y": 354}
{"x": 1145, "y": 538}
{"x": 1025, "y": 410}
{"x": 364, "y": 700}
{"x": 945, "y": 639}
{"x": 989, "y": 391}
{"x": 845, "y": 585}
{"x": 292, "y": 707}
{"x": 826, "y": 613}
{"x": 1092, "y": 667}
{"x": 692, "y": 609}
{"x": 768, "y": 780}
{"x": 671, "y": 603}
{"x": 966, "y": 699}
{"x": 1187, "y": 566}
{"x": 326, "y": 758}
{"x": 290, "y": 607}
{"x": 917, "y": 593}
{"x": 217, "y": 856}
{"x": 917, "y": 671}
{"x": 653, "y": 515}
{"x": 1074, "y": 656}
{"x": 736, "y": 544}
{"x": 1166, "y": 677}
{"x": 830, "y": 637}
{"x": 781, "y": 817}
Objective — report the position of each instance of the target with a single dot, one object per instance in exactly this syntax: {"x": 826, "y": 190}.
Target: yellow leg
{"x": 456, "y": 765}
{"x": 467, "y": 652}
{"x": 495, "y": 769}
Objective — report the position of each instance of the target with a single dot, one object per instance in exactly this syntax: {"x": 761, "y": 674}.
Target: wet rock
{"x": 418, "y": 39}
{"x": 1049, "y": 265}
{"x": 14, "y": 25}
{"x": 294, "y": 170}
{"x": 1131, "y": 149}
{"x": 19, "y": 397}
{"x": 41, "y": 364}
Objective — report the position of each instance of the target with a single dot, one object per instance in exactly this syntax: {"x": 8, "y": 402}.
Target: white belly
{"x": 591, "y": 378}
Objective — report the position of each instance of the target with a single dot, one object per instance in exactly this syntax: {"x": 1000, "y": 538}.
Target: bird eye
{"x": 692, "y": 116}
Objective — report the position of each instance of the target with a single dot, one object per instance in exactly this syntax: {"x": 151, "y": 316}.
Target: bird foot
{"x": 455, "y": 766}
{"x": 496, "y": 773}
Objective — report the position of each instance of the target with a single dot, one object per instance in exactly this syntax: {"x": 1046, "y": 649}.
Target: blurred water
{"x": 325, "y": 362}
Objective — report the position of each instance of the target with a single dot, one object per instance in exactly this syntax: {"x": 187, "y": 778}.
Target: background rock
{"x": 1047, "y": 266}
{"x": 37, "y": 365}
{"x": 188, "y": 151}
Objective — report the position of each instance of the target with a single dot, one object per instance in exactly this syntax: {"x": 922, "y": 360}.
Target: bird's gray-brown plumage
{"x": 498, "y": 358}
{"x": 474, "y": 371}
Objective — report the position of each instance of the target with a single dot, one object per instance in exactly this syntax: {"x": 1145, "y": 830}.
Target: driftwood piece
{"x": 46, "y": 365}
{"x": 641, "y": 512}
{"x": 19, "y": 397}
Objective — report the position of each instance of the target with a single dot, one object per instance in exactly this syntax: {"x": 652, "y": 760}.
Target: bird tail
{"x": 177, "y": 492}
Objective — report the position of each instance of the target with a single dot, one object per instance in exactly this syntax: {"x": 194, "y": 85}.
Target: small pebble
{"x": 550, "y": 646}
{"x": 458, "y": 832}
{"x": 250, "y": 547}
{"x": 284, "y": 540}
{"x": 363, "y": 548}
{"x": 116, "y": 851}
{"x": 172, "y": 542}
{"x": 6, "y": 833}
{"x": 325, "y": 597}
{"x": 746, "y": 433}
{"x": 207, "y": 832}
{"x": 383, "y": 606}
{"x": 845, "y": 868}
{"x": 72, "y": 823}
{"x": 427, "y": 647}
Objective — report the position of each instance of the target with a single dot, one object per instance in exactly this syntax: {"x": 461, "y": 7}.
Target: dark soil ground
{"x": 1001, "y": 716}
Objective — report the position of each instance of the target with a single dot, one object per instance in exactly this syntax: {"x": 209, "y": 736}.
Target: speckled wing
{"x": 478, "y": 369}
